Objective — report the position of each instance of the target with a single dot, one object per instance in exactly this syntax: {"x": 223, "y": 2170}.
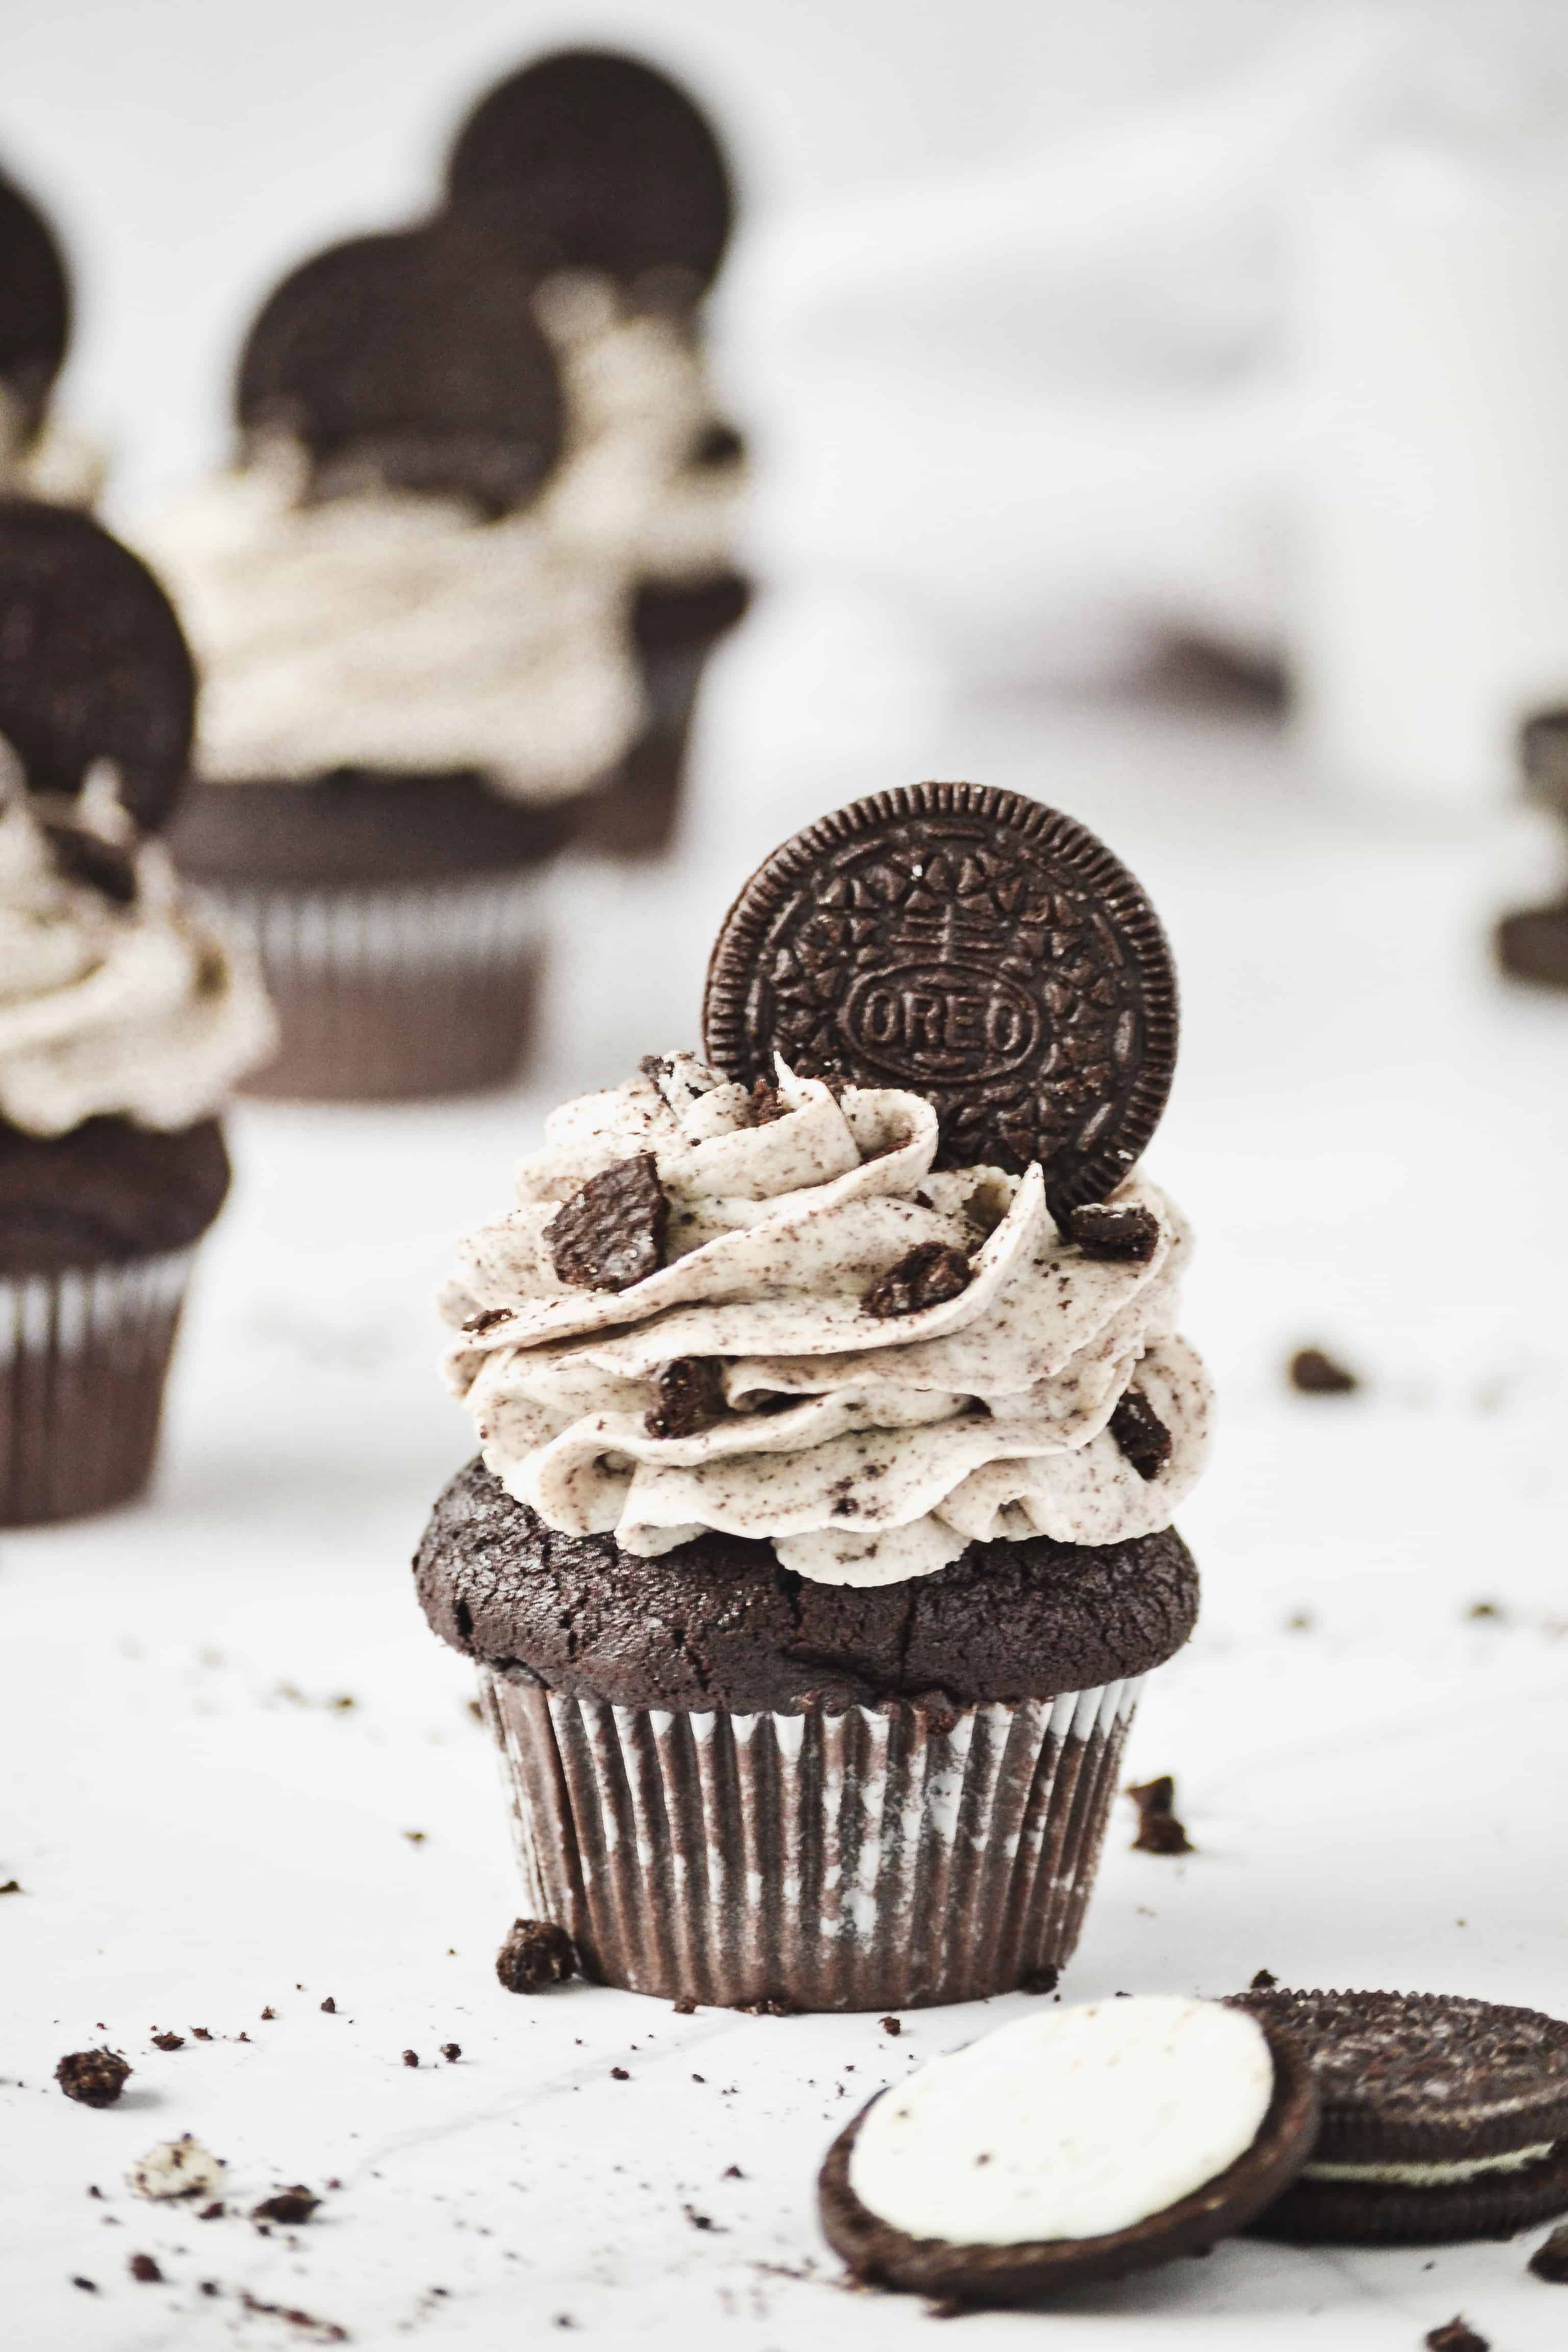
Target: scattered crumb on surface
{"x": 1313, "y": 1372}
{"x": 93, "y": 2078}
{"x": 178, "y": 2168}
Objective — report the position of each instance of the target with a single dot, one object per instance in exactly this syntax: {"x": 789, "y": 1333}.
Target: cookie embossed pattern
{"x": 998, "y": 960}
{"x": 821, "y": 1532}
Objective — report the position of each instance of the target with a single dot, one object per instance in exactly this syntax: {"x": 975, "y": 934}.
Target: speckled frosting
{"x": 866, "y": 1449}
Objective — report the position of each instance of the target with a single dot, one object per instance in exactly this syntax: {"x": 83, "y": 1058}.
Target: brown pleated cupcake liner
{"x": 885, "y": 1858}
{"x": 83, "y": 1357}
{"x": 395, "y": 992}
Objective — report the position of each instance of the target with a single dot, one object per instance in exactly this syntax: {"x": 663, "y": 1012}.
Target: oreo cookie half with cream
{"x": 1443, "y": 2118}
{"x": 410, "y": 359}
{"x": 589, "y": 159}
{"x": 971, "y": 945}
{"x": 1073, "y": 2147}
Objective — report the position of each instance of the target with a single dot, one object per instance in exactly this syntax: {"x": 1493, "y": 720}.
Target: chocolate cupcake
{"x": 40, "y": 458}
{"x": 606, "y": 185}
{"x": 410, "y": 680}
{"x": 126, "y": 1016}
{"x": 831, "y": 1429}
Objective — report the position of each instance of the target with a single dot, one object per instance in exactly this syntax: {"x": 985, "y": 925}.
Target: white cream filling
{"x": 1069, "y": 2123}
{"x": 1430, "y": 2175}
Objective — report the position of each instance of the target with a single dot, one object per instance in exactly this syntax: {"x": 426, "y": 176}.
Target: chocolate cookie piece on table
{"x": 1443, "y": 2117}
{"x": 589, "y": 160}
{"x": 1069, "y": 2148}
{"x": 975, "y": 947}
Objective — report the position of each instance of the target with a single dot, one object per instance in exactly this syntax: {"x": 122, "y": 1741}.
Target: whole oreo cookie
{"x": 411, "y": 358}
{"x": 34, "y": 304}
{"x": 1073, "y": 2147}
{"x": 587, "y": 159}
{"x": 975, "y": 947}
{"x": 1443, "y": 2117}
{"x": 93, "y": 665}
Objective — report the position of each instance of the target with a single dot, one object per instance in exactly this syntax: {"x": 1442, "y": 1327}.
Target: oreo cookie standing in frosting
{"x": 35, "y": 307}
{"x": 1443, "y": 2117}
{"x": 410, "y": 359}
{"x": 1073, "y": 2147}
{"x": 93, "y": 663}
{"x": 588, "y": 160}
{"x": 973, "y": 947}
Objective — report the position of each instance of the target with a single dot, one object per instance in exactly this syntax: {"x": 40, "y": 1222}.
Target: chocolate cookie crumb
{"x": 200, "y": 2034}
{"x": 685, "y": 2005}
{"x": 1159, "y": 1830}
{"x": 1456, "y": 2336}
{"x": 327, "y": 2331}
{"x": 924, "y": 1276}
{"x": 1130, "y": 1233}
{"x": 536, "y": 1954}
{"x": 611, "y": 1233}
{"x": 213, "y": 2212}
{"x": 1041, "y": 1980}
{"x": 1141, "y": 1434}
{"x": 96, "y": 2077}
{"x": 769, "y": 2008}
{"x": 701, "y": 2220}
{"x": 329, "y": 2007}
{"x": 451, "y": 2051}
{"x": 11, "y": 1886}
{"x": 269, "y": 2015}
{"x": 766, "y": 1104}
{"x": 619, "y": 2074}
{"x": 88, "y": 2286}
{"x": 1264, "y": 1981}
{"x": 486, "y": 1320}
{"x": 296, "y": 2204}
{"x": 891, "y": 2025}
{"x": 1550, "y": 2260}
{"x": 1316, "y": 1374}
{"x": 142, "y": 2267}
{"x": 168, "y": 2042}
{"x": 691, "y": 1397}
{"x": 732, "y": 2172}
{"x": 411, "y": 2057}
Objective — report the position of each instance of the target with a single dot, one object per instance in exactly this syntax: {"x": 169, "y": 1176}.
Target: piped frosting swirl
{"x": 866, "y": 1448}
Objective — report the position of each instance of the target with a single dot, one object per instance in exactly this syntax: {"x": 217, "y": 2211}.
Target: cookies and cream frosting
{"x": 388, "y": 629}
{"x": 144, "y": 1009}
{"x": 868, "y": 1449}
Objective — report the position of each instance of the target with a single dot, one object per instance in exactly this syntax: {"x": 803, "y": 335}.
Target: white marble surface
{"x": 1373, "y": 1138}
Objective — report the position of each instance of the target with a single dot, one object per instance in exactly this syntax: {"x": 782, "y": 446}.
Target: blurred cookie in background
{"x": 39, "y": 457}
{"x": 1531, "y": 944}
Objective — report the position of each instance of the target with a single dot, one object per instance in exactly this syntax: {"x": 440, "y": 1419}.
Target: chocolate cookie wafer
{"x": 588, "y": 160}
{"x": 1070, "y": 2147}
{"x": 975, "y": 948}
{"x": 411, "y": 360}
{"x": 35, "y": 307}
{"x": 1443, "y": 2117}
{"x": 93, "y": 665}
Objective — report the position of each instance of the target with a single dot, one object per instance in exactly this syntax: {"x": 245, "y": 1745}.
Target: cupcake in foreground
{"x": 832, "y": 1420}
{"x": 607, "y": 186}
{"x": 410, "y": 680}
{"x": 39, "y": 457}
{"x": 126, "y": 1018}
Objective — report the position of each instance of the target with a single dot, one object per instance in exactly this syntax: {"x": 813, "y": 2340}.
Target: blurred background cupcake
{"x": 606, "y": 183}
{"x": 40, "y": 458}
{"x": 126, "y": 1016}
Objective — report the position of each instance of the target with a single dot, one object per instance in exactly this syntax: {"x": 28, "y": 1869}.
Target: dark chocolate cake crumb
{"x": 142, "y": 2267}
{"x": 296, "y": 2204}
{"x": 1129, "y": 1233}
{"x": 88, "y": 2286}
{"x": 766, "y": 1104}
{"x": 691, "y": 1397}
{"x": 96, "y": 2077}
{"x": 1159, "y": 1830}
{"x": 732, "y": 2172}
{"x": 891, "y": 2025}
{"x": 619, "y": 2074}
{"x": 1456, "y": 2336}
{"x": 451, "y": 2051}
{"x": 1550, "y": 2260}
{"x": 1041, "y": 1980}
{"x": 1316, "y": 1374}
{"x": 267, "y": 2015}
{"x": 536, "y": 1954}
{"x": 200, "y": 2034}
{"x": 11, "y": 1886}
{"x": 411, "y": 2057}
{"x": 1264, "y": 1981}
{"x": 168, "y": 2042}
{"x": 611, "y": 1233}
{"x": 329, "y": 2007}
{"x": 924, "y": 1276}
{"x": 1141, "y": 1434}
{"x": 213, "y": 2212}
